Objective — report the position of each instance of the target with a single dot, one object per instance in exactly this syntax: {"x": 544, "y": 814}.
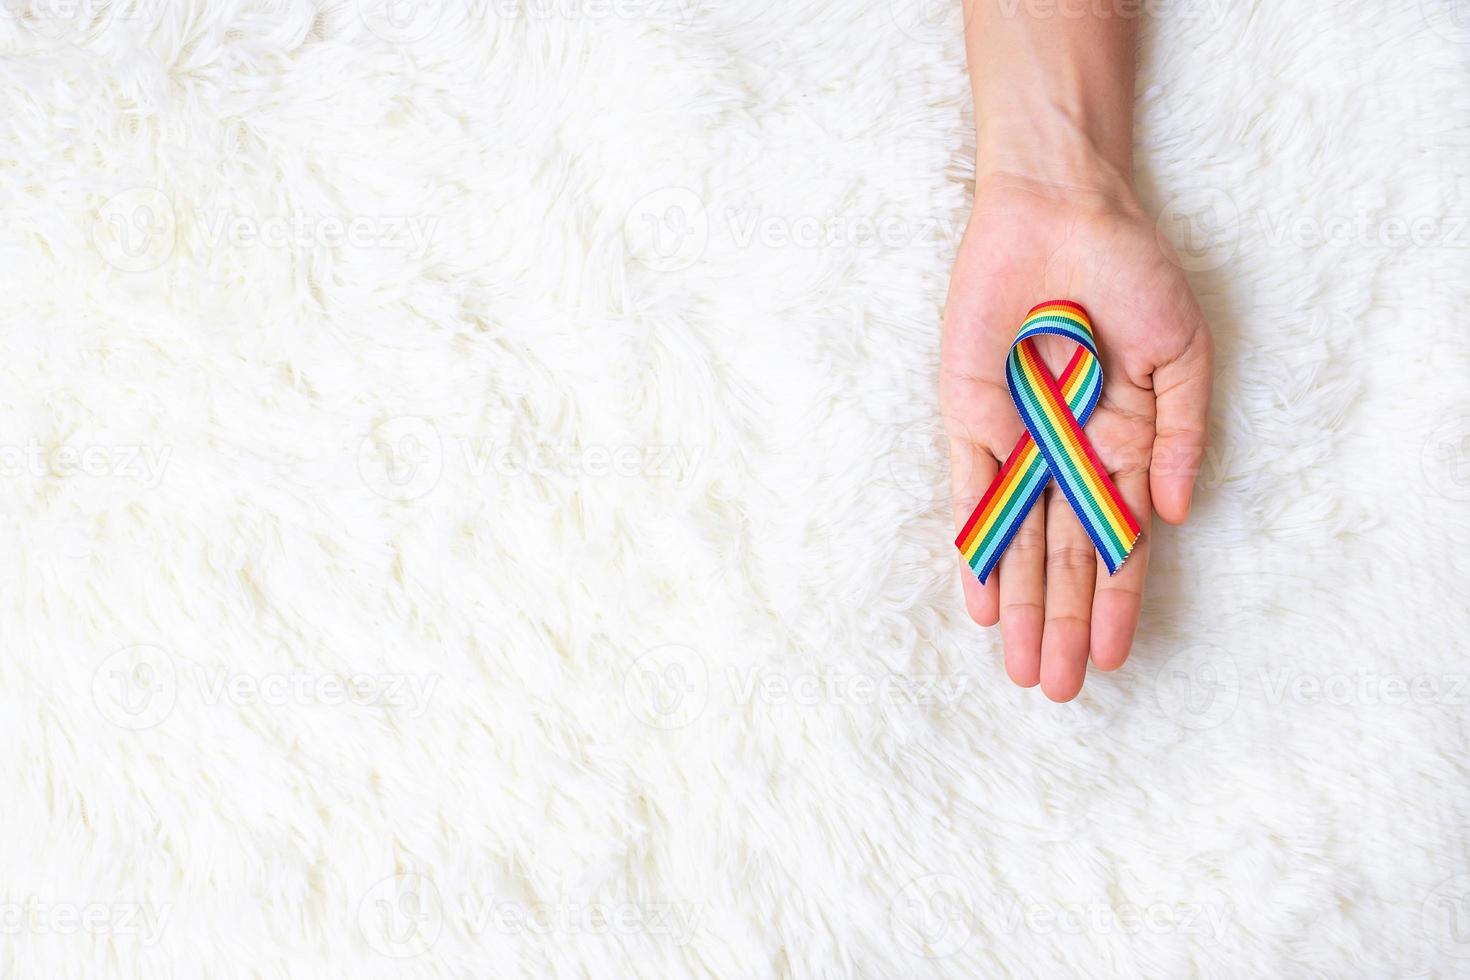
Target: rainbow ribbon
{"x": 1053, "y": 446}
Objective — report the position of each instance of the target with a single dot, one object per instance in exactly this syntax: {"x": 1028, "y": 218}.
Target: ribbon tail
{"x": 1053, "y": 447}
{"x": 998, "y": 517}
{"x": 1071, "y": 458}
{"x": 1012, "y": 494}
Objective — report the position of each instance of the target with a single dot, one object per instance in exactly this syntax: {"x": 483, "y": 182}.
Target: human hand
{"x": 1087, "y": 239}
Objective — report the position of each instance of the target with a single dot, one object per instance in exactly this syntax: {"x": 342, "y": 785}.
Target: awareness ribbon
{"x": 1052, "y": 446}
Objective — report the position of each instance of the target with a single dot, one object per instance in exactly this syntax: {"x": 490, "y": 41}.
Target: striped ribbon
{"x": 1053, "y": 446}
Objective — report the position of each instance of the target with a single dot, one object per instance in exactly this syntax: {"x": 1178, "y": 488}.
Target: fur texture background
{"x": 477, "y": 505}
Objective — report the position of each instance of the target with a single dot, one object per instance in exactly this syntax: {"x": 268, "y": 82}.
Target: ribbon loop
{"x": 1053, "y": 447}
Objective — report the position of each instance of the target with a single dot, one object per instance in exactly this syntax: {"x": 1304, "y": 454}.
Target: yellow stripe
{"x": 1106, "y": 506}
{"x": 1084, "y": 465}
{"x": 997, "y": 503}
{"x": 1061, "y": 311}
{"x": 1109, "y": 508}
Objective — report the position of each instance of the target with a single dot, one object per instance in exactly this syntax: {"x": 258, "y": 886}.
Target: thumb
{"x": 1182, "y": 403}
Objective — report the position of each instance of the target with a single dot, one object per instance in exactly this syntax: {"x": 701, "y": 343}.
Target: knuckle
{"x": 1125, "y": 461}
{"x": 1027, "y": 539}
{"x": 1055, "y": 618}
{"x": 1069, "y": 557}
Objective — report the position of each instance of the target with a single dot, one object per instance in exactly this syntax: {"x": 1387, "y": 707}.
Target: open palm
{"x": 1028, "y": 242}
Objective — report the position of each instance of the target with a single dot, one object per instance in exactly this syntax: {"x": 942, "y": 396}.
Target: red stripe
{"x": 995, "y": 485}
{"x": 1060, "y": 302}
{"x": 1070, "y": 421}
{"x": 1112, "y": 491}
{"x": 1073, "y": 366}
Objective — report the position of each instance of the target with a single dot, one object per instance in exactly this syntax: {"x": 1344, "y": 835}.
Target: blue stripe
{"x": 1017, "y": 518}
{"x": 1060, "y": 471}
{"x": 1083, "y": 399}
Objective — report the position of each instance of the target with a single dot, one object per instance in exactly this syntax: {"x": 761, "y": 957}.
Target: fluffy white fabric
{"x": 477, "y": 506}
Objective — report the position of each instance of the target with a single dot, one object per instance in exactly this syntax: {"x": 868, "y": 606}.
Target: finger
{"x": 1119, "y": 596}
{"x": 1071, "y": 566}
{"x": 971, "y": 468}
{"x": 1182, "y": 393}
{"x": 1021, "y": 580}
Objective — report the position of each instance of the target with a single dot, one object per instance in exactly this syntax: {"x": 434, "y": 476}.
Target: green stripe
{"x": 1069, "y": 318}
{"x": 1060, "y": 321}
{"x": 1089, "y": 379}
{"x": 1018, "y": 495}
{"x": 1073, "y": 476}
{"x": 1081, "y": 491}
{"x": 1022, "y": 490}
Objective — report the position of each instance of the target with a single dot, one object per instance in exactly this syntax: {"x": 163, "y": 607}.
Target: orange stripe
{"x": 1000, "y": 499}
{"x": 1071, "y": 435}
{"x": 1064, "y": 311}
{"x": 1073, "y": 381}
{"x": 1110, "y": 494}
{"x": 1066, "y": 426}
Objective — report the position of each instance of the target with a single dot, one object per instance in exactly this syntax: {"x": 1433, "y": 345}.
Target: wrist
{"x": 1053, "y": 98}
{"x": 1054, "y": 156}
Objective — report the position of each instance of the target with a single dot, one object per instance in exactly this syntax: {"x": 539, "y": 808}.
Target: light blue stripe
{"x": 1056, "y": 460}
{"x": 1082, "y": 400}
{"x": 1032, "y": 483}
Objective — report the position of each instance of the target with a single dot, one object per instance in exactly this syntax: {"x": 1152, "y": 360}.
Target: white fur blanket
{"x": 477, "y": 507}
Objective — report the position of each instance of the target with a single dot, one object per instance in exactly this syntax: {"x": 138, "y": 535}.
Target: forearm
{"x": 1053, "y": 90}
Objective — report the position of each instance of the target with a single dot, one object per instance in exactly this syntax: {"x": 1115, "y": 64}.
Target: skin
{"x": 1056, "y": 217}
